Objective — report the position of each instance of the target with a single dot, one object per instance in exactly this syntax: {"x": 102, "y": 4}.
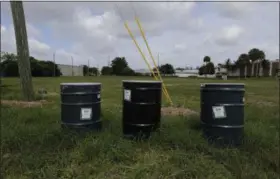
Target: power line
{"x": 109, "y": 61}
{"x": 72, "y": 66}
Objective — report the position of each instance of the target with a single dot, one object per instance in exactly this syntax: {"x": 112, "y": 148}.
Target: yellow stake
{"x": 143, "y": 56}
{"x": 151, "y": 55}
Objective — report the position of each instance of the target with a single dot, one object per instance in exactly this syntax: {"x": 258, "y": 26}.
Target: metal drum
{"x": 81, "y": 106}
{"x": 141, "y": 108}
{"x": 222, "y": 112}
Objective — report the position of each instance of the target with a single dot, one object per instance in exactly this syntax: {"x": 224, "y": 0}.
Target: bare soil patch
{"x": 173, "y": 84}
{"x": 260, "y": 103}
{"x": 24, "y": 104}
{"x": 172, "y": 111}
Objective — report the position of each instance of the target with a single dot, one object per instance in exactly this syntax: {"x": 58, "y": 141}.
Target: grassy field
{"x": 33, "y": 145}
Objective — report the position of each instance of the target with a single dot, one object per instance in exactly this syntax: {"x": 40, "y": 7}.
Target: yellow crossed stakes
{"x": 143, "y": 56}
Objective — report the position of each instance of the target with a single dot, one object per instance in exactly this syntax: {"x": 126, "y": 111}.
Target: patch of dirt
{"x": 173, "y": 84}
{"x": 172, "y": 111}
{"x": 260, "y": 103}
{"x": 24, "y": 104}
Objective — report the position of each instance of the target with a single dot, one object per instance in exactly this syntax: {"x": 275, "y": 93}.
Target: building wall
{"x": 258, "y": 70}
{"x": 255, "y": 69}
{"x": 66, "y": 70}
{"x": 186, "y": 73}
{"x": 273, "y": 68}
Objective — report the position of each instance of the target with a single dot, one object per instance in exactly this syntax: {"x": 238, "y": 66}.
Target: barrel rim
{"x": 141, "y": 81}
{"x": 222, "y": 84}
{"x": 79, "y": 84}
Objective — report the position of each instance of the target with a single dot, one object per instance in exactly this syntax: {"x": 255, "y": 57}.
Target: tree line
{"x": 9, "y": 66}
{"x": 244, "y": 63}
{"x": 119, "y": 67}
{"x": 90, "y": 71}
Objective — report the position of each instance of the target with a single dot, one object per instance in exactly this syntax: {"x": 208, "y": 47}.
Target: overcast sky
{"x": 182, "y": 33}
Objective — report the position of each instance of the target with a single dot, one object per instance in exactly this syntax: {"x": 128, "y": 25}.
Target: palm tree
{"x": 257, "y": 55}
{"x": 206, "y": 59}
{"x": 265, "y": 65}
{"x": 242, "y": 62}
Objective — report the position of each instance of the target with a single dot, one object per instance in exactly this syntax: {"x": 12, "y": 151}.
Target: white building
{"x": 186, "y": 73}
{"x": 143, "y": 71}
{"x": 67, "y": 70}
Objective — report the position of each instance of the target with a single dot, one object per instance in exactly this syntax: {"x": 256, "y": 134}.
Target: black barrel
{"x": 141, "y": 108}
{"x": 222, "y": 112}
{"x": 81, "y": 106}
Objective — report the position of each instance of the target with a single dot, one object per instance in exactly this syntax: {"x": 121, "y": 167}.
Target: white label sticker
{"x": 127, "y": 95}
{"x": 86, "y": 113}
{"x": 98, "y": 96}
{"x": 219, "y": 112}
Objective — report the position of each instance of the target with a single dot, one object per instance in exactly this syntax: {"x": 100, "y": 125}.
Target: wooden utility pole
{"x": 22, "y": 50}
{"x": 278, "y": 71}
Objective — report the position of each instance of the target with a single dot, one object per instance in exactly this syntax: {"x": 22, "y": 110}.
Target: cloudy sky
{"x": 182, "y": 33}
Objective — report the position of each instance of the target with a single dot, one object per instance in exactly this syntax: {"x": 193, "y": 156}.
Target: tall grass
{"x": 34, "y": 146}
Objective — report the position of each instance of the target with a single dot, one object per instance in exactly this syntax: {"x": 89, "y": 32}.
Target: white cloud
{"x": 235, "y": 10}
{"x": 180, "y": 47}
{"x": 3, "y": 28}
{"x": 229, "y": 35}
{"x": 8, "y": 40}
{"x": 32, "y": 31}
{"x": 38, "y": 47}
{"x": 182, "y": 32}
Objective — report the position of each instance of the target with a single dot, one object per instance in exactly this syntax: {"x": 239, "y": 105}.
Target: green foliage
{"x": 120, "y": 67}
{"x": 9, "y": 66}
{"x": 206, "y": 59}
{"x": 208, "y": 69}
{"x": 33, "y": 146}
{"x": 167, "y": 69}
{"x": 255, "y": 54}
{"x": 127, "y": 72}
{"x": 228, "y": 64}
{"x": 106, "y": 70}
{"x": 265, "y": 63}
{"x": 85, "y": 70}
{"x": 242, "y": 60}
{"x": 93, "y": 71}
{"x": 201, "y": 70}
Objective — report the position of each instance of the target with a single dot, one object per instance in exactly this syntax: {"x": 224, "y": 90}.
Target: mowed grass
{"x": 34, "y": 146}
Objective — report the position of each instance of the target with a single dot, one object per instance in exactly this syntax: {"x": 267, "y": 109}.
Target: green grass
{"x": 33, "y": 145}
